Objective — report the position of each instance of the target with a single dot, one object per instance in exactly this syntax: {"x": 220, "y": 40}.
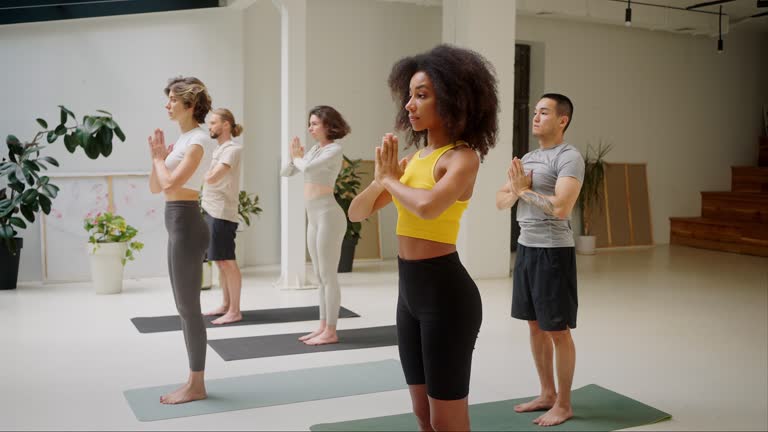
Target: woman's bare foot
{"x": 541, "y": 403}
{"x": 187, "y": 393}
{"x": 323, "y": 338}
{"x": 229, "y": 317}
{"x": 555, "y": 416}
{"x": 221, "y": 310}
{"x": 313, "y": 334}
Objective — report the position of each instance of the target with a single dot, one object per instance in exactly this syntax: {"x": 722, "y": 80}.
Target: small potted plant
{"x": 591, "y": 191}
{"x": 110, "y": 245}
{"x": 248, "y": 204}
{"x": 346, "y": 188}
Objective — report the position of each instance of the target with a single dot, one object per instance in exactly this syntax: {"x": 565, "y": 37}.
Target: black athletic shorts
{"x": 222, "y": 244}
{"x": 438, "y": 317}
{"x": 544, "y": 287}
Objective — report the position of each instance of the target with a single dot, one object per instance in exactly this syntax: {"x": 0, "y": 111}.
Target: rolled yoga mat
{"x": 261, "y": 316}
{"x": 277, "y": 388}
{"x": 287, "y": 344}
{"x": 595, "y": 409}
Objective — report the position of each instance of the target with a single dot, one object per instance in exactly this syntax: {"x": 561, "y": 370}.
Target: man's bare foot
{"x": 183, "y": 395}
{"x": 229, "y": 317}
{"x": 323, "y": 339}
{"x": 221, "y": 310}
{"x": 554, "y": 416}
{"x": 541, "y": 403}
{"x": 311, "y": 335}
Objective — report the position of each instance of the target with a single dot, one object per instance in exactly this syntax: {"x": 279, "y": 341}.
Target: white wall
{"x": 668, "y": 100}
{"x": 261, "y": 158}
{"x": 351, "y": 48}
{"x": 120, "y": 64}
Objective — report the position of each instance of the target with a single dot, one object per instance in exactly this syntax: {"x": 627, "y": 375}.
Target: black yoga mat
{"x": 260, "y": 316}
{"x": 288, "y": 344}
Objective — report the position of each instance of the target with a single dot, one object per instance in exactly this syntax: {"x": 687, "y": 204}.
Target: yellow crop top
{"x": 419, "y": 174}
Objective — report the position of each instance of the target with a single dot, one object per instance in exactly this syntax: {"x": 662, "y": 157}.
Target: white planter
{"x": 207, "y": 275}
{"x": 585, "y": 245}
{"x": 107, "y": 266}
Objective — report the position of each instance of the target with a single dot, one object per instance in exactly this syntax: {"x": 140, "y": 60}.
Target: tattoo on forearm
{"x": 539, "y": 201}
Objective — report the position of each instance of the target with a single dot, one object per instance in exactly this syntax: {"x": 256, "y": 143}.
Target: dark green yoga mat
{"x": 595, "y": 409}
{"x": 260, "y": 316}
{"x": 277, "y": 388}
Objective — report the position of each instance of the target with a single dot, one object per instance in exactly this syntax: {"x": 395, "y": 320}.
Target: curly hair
{"x": 193, "y": 93}
{"x": 335, "y": 125}
{"x": 465, "y": 88}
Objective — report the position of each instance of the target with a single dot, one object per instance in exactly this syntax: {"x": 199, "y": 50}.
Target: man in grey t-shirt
{"x": 547, "y": 182}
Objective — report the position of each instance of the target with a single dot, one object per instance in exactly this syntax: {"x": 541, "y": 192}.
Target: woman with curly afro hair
{"x": 450, "y": 113}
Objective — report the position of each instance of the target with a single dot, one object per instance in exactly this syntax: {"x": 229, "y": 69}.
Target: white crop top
{"x": 321, "y": 165}
{"x": 186, "y": 140}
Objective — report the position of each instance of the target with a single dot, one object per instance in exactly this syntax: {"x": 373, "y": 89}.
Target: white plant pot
{"x": 207, "y": 275}
{"x": 585, "y": 245}
{"x": 107, "y": 267}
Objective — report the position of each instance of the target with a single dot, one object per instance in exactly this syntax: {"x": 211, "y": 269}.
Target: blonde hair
{"x": 227, "y": 116}
{"x": 193, "y": 93}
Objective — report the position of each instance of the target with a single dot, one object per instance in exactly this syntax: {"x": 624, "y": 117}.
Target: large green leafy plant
{"x": 24, "y": 191}
{"x": 346, "y": 188}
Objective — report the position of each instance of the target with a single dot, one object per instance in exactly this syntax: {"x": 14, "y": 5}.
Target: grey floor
{"x": 681, "y": 329}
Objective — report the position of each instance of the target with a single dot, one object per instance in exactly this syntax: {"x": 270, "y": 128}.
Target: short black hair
{"x": 465, "y": 89}
{"x": 564, "y": 106}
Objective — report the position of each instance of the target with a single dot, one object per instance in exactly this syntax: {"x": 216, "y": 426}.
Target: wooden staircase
{"x": 735, "y": 221}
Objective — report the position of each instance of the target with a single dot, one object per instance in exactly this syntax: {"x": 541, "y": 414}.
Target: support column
{"x": 488, "y": 27}
{"x": 293, "y": 95}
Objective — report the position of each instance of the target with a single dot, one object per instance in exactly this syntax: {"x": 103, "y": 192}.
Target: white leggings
{"x": 325, "y": 232}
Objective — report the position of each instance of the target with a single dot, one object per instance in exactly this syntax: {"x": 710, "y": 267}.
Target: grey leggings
{"x": 187, "y": 241}
{"x": 325, "y": 232}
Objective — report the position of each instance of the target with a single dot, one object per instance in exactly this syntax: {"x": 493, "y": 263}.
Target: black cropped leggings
{"x": 438, "y": 318}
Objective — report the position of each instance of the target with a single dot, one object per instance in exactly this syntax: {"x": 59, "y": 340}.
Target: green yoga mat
{"x": 278, "y": 388}
{"x": 595, "y": 409}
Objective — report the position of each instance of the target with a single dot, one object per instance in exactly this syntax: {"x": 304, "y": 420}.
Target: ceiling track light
{"x": 720, "y": 31}
{"x": 628, "y": 14}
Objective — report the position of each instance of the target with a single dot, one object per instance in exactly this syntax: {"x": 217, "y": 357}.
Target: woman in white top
{"x": 178, "y": 171}
{"x": 327, "y": 222}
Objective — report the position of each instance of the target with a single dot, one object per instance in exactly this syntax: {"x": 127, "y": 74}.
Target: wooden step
{"x": 715, "y": 234}
{"x": 735, "y": 206}
{"x": 749, "y": 179}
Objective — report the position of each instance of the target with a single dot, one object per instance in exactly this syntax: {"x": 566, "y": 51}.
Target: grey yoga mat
{"x": 261, "y": 316}
{"x": 288, "y": 344}
{"x": 595, "y": 409}
{"x": 277, "y": 388}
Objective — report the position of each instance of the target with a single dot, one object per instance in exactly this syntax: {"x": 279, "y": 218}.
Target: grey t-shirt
{"x": 538, "y": 229}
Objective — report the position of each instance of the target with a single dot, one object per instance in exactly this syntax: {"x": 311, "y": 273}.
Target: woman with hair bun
{"x": 178, "y": 171}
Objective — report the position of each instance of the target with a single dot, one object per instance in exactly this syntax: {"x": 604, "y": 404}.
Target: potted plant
{"x": 110, "y": 245}
{"x": 591, "y": 190}
{"x": 24, "y": 191}
{"x": 248, "y": 204}
{"x": 346, "y": 188}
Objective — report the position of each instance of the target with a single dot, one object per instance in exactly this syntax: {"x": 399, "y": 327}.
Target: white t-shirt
{"x": 196, "y": 136}
{"x": 220, "y": 199}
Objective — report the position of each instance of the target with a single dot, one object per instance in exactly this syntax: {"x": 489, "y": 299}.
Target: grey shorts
{"x": 222, "y": 244}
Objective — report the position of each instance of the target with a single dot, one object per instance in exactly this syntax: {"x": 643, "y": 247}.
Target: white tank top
{"x": 196, "y": 136}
